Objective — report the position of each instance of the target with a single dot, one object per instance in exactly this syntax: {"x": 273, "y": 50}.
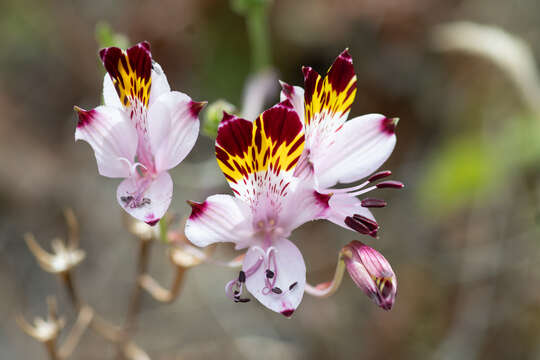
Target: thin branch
{"x": 158, "y": 292}
{"x": 79, "y": 328}
{"x": 73, "y": 228}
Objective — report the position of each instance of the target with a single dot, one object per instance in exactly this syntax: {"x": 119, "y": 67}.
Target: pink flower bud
{"x": 371, "y": 272}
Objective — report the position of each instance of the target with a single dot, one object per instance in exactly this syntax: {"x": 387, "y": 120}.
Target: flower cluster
{"x": 284, "y": 168}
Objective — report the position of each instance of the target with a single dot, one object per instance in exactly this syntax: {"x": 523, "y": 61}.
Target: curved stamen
{"x": 342, "y": 190}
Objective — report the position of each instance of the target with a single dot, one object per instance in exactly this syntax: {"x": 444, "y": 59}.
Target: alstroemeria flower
{"x": 143, "y": 130}
{"x": 371, "y": 272}
{"x": 340, "y": 151}
{"x": 258, "y": 160}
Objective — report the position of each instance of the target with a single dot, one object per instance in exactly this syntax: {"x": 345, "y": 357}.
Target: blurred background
{"x": 462, "y": 236}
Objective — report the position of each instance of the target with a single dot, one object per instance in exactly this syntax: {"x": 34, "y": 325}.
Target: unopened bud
{"x": 371, "y": 272}
{"x": 214, "y": 115}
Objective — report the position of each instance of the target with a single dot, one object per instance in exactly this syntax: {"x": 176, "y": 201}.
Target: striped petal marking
{"x": 130, "y": 72}
{"x": 329, "y": 100}
{"x": 258, "y": 158}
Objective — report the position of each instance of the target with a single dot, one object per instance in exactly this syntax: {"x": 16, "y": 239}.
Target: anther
{"x": 373, "y": 203}
{"x": 269, "y": 274}
{"x": 276, "y": 290}
{"x": 244, "y": 300}
{"x": 360, "y": 225}
{"x": 293, "y": 285}
{"x": 242, "y": 277}
{"x": 390, "y": 184}
{"x": 370, "y": 224}
{"x": 379, "y": 175}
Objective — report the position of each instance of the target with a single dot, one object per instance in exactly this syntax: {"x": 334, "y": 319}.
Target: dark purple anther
{"x": 370, "y": 224}
{"x": 379, "y": 175}
{"x": 373, "y": 203}
{"x": 242, "y": 277}
{"x": 293, "y": 285}
{"x": 356, "y": 225}
{"x": 269, "y": 274}
{"x": 390, "y": 184}
{"x": 277, "y": 290}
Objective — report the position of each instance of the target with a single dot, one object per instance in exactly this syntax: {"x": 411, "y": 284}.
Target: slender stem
{"x": 73, "y": 338}
{"x": 142, "y": 266}
{"x": 329, "y": 288}
{"x": 67, "y": 279}
{"x": 257, "y": 25}
{"x": 51, "y": 349}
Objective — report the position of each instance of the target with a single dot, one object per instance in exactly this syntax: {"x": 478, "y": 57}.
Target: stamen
{"x": 379, "y": 175}
{"x": 353, "y": 188}
{"x": 293, "y": 285}
{"x": 390, "y": 184}
{"x": 363, "y": 191}
{"x": 277, "y": 290}
{"x": 244, "y": 300}
{"x": 242, "y": 276}
{"x": 370, "y": 224}
{"x": 269, "y": 274}
{"x": 359, "y": 224}
{"x": 373, "y": 203}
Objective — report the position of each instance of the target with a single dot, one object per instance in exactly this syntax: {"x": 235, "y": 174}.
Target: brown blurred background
{"x": 462, "y": 237}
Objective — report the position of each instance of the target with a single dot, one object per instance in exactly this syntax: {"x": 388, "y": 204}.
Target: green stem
{"x": 163, "y": 229}
{"x": 257, "y": 26}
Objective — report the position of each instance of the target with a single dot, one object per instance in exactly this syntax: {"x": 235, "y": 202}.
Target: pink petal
{"x": 359, "y": 148}
{"x": 146, "y": 198}
{"x": 295, "y": 94}
{"x": 112, "y": 137}
{"x": 314, "y": 206}
{"x": 290, "y": 276}
{"x": 173, "y": 128}
{"x": 221, "y": 218}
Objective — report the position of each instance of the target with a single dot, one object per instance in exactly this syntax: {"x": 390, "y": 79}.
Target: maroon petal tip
{"x": 85, "y": 116}
{"x": 196, "y": 208}
{"x": 287, "y": 89}
{"x": 195, "y": 107}
{"x": 287, "y": 313}
{"x": 388, "y": 125}
{"x": 145, "y": 44}
{"x": 345, "y": 54}
{"x": 152, "y": 222}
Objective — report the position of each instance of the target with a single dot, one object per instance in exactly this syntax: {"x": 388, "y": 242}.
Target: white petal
{"x": 290, "y": 277}
{"x": 145, "y": 198}
{"x": 221, "y": 218}
{"x": 173, "y": 128}
{"x": 112, "y": 137}
{"x": 313, "y": 206}
{"x": 359, "y": 148}
{"x": 160, "y": 85}
{"x": 110, "y": 96}
{"x": 295, "y": 94}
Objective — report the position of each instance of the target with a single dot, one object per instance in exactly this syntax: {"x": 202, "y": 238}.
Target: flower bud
{"x": 371, "y": 272}
{"x": 213, "y": 116}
